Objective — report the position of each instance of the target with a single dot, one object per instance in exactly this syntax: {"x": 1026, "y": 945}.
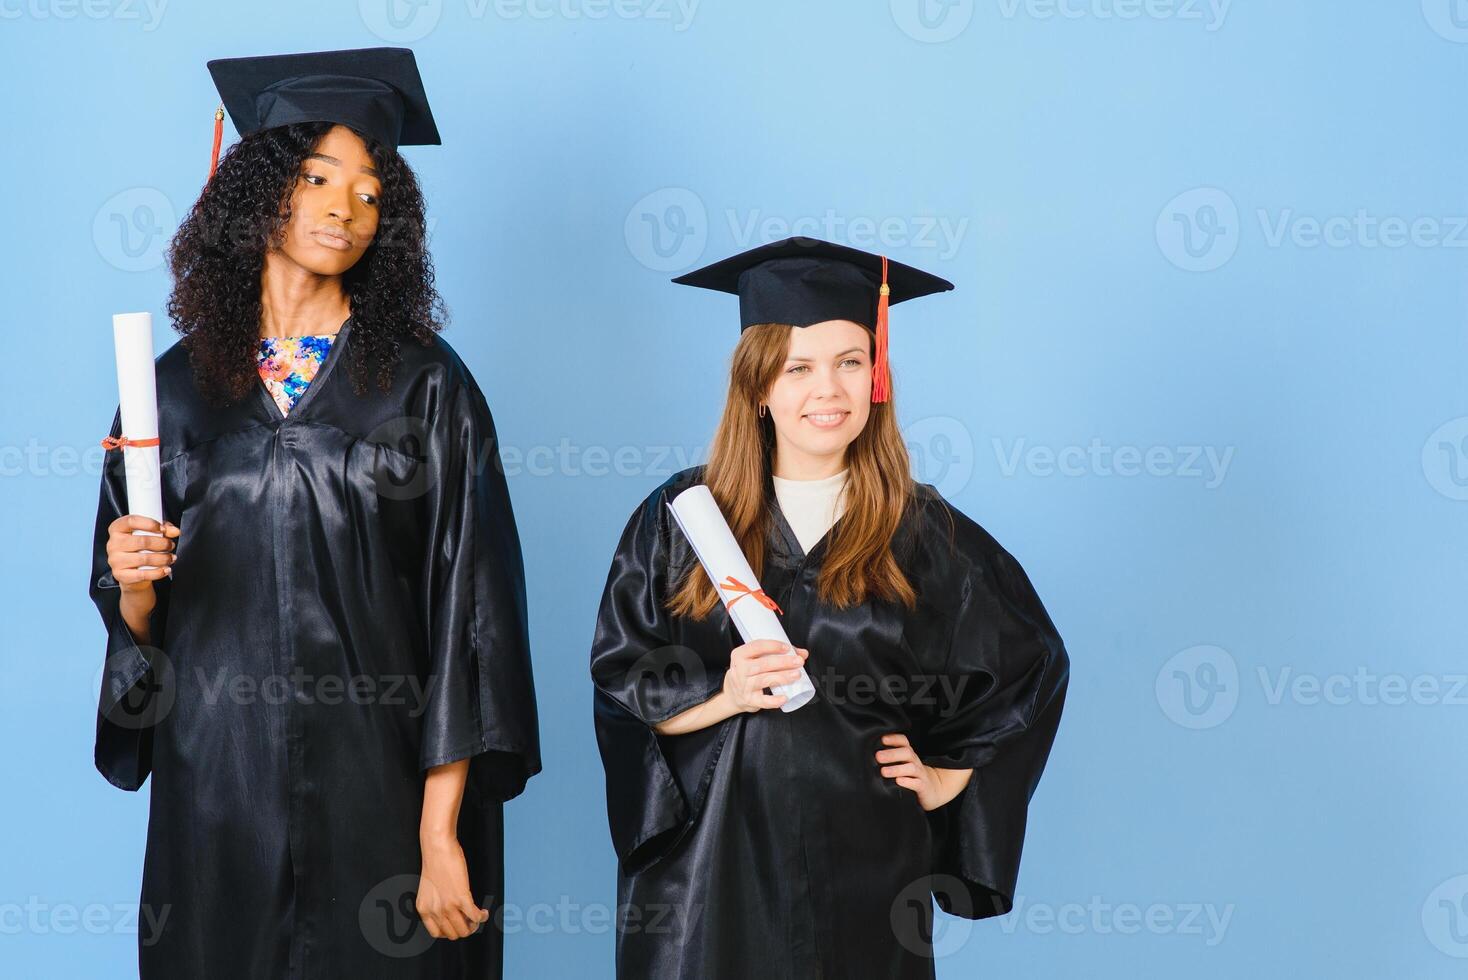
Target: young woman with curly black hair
{"x": 321, "y": 656}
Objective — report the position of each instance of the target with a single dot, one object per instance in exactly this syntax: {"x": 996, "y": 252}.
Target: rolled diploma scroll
{"x": 698, "y": 514}
{"x": 137, "y": 389}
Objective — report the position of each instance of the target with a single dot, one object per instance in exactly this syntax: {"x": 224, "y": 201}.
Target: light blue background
{"x": 1130, "y": 202}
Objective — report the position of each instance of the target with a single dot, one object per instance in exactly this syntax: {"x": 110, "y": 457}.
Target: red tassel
{"x": 218, "y": 138}
{"x": 881, "y": 381}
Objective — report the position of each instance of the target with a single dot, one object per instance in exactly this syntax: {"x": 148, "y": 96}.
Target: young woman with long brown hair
{"x": 810, "y": 843}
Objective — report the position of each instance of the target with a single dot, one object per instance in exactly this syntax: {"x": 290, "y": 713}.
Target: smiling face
{"x": 821, "y": 398}
{"x": 333, "y": 207}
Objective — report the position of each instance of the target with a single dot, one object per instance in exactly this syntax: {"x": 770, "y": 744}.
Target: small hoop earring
{"x": 762, "y": 410}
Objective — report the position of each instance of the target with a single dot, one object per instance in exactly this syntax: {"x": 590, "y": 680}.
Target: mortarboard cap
{"x": 801, "y": 281}
{"x": 376, "y": 91}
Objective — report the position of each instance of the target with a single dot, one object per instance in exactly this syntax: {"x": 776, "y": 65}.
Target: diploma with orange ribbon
{"x": 137, "y": 389}
{"x": 752, "y": 611}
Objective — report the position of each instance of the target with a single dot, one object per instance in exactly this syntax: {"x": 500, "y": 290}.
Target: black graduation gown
{"x": 769, "y": 845}
{"x": 347, "y": 610}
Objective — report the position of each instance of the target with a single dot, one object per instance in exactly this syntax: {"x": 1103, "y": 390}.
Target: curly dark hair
{"x": 218, "y": 254}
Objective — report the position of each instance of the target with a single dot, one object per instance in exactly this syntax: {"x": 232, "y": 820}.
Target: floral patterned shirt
{"x": 288, "y": 364}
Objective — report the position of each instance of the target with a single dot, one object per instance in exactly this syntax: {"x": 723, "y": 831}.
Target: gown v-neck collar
{"x": 787, "y": 534}
{"x": 332, "y": 356}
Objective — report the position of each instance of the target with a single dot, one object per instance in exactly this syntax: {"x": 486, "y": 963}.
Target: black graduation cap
{"x": 376, "y": 91}
{"x": 801, "y": 281}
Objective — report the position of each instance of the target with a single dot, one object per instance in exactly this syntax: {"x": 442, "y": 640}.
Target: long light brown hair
{"x": 858, "y": 564}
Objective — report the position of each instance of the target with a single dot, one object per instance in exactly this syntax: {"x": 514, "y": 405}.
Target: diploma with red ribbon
{"x": 137, "y": 389}
{"x": 752, "y": 611}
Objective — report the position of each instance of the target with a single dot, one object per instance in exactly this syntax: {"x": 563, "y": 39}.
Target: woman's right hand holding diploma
{"x": 759, "y": 665}
{"x": 753, "y": 667}
{"x": 127, "y": 553}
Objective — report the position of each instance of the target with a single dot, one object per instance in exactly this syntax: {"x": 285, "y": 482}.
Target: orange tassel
{"x": 881, "y": 381}
{"x": 218, "y": 138}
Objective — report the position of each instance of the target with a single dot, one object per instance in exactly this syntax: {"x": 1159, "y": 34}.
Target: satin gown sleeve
{"x": 482, "y": 700}
{"x": 130, "y": 694}
{"x": 642, "y": 677}
{"x": 1008, "y": 670}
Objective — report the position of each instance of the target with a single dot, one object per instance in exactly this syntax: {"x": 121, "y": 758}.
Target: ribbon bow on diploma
{"x": 110, "y": 443}
{"x": 732, "y": 584}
